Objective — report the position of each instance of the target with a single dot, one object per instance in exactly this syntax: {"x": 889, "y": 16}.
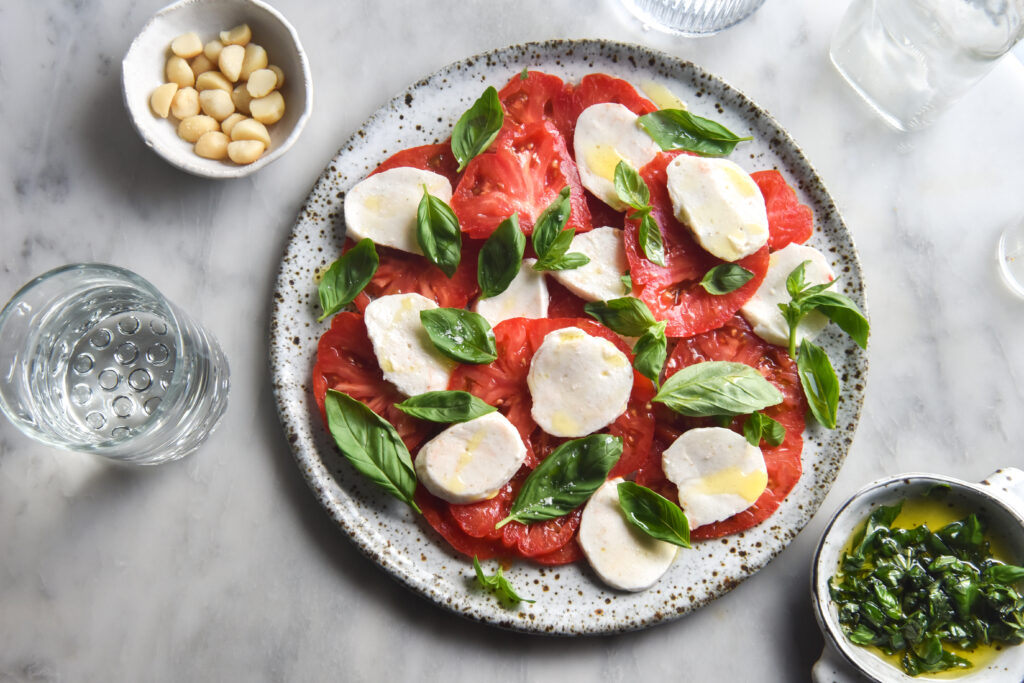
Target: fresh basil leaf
{"x": 759, "y": 426}
{"x": 631, "y": 188}
{"x": 795, "y": 282}
{"x": 655, "y": 515}
{"x": 438, "y": 233}
{"x": 717, "y": 388}
{"x": 476, "y": 129}
{"x": 500, "y": 258}
{"x": 841, "y": 310}
{"x": 548, "y": 231}
{"x": 821, "y": 386}
{"x": 347, "y": 277}
{"x": 649, "y": 236}
{"x": 570, "y": 261}
{"x": 650, "y": 351}
{"x": 445, "y": 406}
{"x": 461, "y": 335}
{"x": 1004, "y": 573}
{"x": 372, "y": 445}
{"x": 498, "y": 584}
{"x": 679, "y": 129}
{"x": 628, "y": 315}
{"x": 627, "y": 283}
{"x": 725, "y": 278}
{"x": 565, "y": 479}
{"x": 524, "y": 74}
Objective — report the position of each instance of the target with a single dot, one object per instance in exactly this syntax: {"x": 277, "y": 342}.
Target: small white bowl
{"x": 143, "y": 70}
{"x": 999, "y": 498}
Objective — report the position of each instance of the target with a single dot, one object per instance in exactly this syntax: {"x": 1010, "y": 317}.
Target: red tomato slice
{"x": 345, "y": 361}
{"x": 522, "y": 172}
{"x": 438, "y": 514}
{"x": 562, "y": 303}
{"x": 437, "y": 158}
{"x": 530, "y": 99}
{"x": 595, "y": 89}
{"x": 673, "y": 292}
{"x": 788, "y": 219}
{"x": 736, "y": 342}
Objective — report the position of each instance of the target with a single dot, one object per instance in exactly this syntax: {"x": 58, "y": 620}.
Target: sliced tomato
{"x": 788, "y": 219}
{"x": 736, "y": 342}
{"x": 345, "y": 361}
{"x": 595, "y": 89}
{"x": 400, "y": 272}
{"x": 439, "y": 516}
{"x": 602, "y": 215}
{"x": 521, "y": 173}
{"x": 562, "y": 303}
{"x": 531, "y": 99}
{"x": 673, "y": 292}
{"x": 437, "y": 158}
{"x": 570, "y": 552}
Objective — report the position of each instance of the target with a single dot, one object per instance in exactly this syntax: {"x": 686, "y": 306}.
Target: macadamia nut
{"x": 187, "y": 45}
{"x": 230, "y": 61}
{"x": 268, "y": 109}
{"x": 255, "y": 58}
{"x": 212, "y": 145}
{"x": 178, "y": 71}
{"x": 245, "y": 151}
{"x": 193, "y": 128}
{"x": 185, "y": 103}
{"x": 239, "y": 35}
{"x": 216, "y": 103}
{"x": 250, "y": 129}
{"x": 261, "y": 82}
{"x": 160, "y": 100}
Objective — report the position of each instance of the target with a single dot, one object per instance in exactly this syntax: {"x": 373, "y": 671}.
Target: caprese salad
{"x": 576, "y": 330}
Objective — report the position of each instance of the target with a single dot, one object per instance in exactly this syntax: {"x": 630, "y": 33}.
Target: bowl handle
{"x": 831, "y": 667}
{"x": 1008, "y": 484}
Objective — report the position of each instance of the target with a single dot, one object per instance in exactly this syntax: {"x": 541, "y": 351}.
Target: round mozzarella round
{"x": 717, "y": 471}
{"x": 605, "y": 135}
{"x": 383, "y": 206}
{"x": 526, "y": 297}
{"x": 471, "y": 461}
{"x": 622, "y": 555}
{"x": 406, "y": 356}
{"x": 601, "y": 279}
{"x": 578, "y": 383}
{"x": 762, "y": 310}
{"x": 720, "y": 203}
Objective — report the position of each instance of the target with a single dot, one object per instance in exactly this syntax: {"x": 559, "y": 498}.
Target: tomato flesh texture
{"x": 595, "y": 89}
{"x": 531, "y": 99}
{"x": 521, "y": 173}
{"x": 788, "y": 220}
{"x": 673, "y": 292}
{"x": 435, "y": 158}
{"x": 736, "y": 342}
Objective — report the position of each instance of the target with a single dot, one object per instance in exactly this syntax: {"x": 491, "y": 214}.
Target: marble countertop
{"x": 223, "y": 566}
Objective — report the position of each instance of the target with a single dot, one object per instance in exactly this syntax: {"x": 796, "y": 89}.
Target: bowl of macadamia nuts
{"x": 219, "y": 88}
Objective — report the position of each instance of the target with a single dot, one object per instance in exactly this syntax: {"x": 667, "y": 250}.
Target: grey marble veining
{"x": 223, "y": 567}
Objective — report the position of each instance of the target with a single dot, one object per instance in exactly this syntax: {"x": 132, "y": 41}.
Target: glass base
{"x": 1010, "y": 253}
{"x": 691, "y": 18}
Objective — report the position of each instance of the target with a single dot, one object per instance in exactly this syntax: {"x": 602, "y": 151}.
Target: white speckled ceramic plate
{"x": 570, "y": 599}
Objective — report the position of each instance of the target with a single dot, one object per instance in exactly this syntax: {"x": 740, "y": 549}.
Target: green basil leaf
{"x": 548, "y": 232}
{"x": 628, "y": 315}
{"x": 649, "y": 236}
{"x": 347, "y": 277}
{"x": 795, "y": 282}
{"x": 445, "y": 406}
{"x": 759, "y": 426}
{"x": 476, "y": 129}
{"x": 841, "y": 310}
{"x": 821, "y": 386}
{"x": 565, "y": 479}
{"x": 679, "y": 129}
{"x": 717, "y": 388}
{"x": 438, "y": 233}
{"x": 524, "y": 74}
{"x": 372, "y": 445}
{"x": 498, "y": 584}
{"x": 655, "y": 515}
{"x": 631, "y": 188}
{"x": 500, "y": 258}
{"x": 1004, "y": 573}
{"x": 650, "y": 351}
{"x": 570, "y": 261}
{"x": 627, "y": 283}
{"x": 725, "y": 278}
{"x": 461, "y": 335}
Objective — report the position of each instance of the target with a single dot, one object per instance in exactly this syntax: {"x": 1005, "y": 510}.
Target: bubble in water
{"x": 140, "y": 380}
{"x": 123, "y": 406}
{"x": 100, "y": 339}
{"x": 81, "y": 394}
{"x": 158, "y": 326}
{"x": 157, "y": 354}
{"x": 120, "y": 432}
{"x": 126, "y": 353}
{"x": 82, "y": 363}
{"x": 151, "y": 405}
{"x": 128, "y": 325}
{"x": 109, "y": 379}
{"x": 95, "y": 420}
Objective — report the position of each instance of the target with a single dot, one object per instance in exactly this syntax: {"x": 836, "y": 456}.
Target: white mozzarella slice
{"x": 620, "y": 554}
{"x": 605, "y": 135}
{"x": 762, "y": 310}
{"x": 601, "y": 279}
{"x": 407, "y": 357}
{"x": 717, "y": 471}
{"x": 472, "y": 460}
{"x": 526, "y": 297}
{"x": 578, "y": 383}
{"x": 720, "y": 203}
{"x": 383, "y": 206}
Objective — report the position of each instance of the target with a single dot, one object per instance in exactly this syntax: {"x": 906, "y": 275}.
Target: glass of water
{"x": 911, "y": 59}
{"x": 95, "y": 359}
{"x": 691, "y": 17}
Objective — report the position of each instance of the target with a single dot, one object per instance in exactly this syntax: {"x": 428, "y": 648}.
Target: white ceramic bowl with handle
{"x": 143, "y": 70}
{"x": 999, "y": 499}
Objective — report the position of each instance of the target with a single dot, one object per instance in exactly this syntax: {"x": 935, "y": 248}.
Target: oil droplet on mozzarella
{"x": 749, "y": 485}
{"x": 602, "y": 160}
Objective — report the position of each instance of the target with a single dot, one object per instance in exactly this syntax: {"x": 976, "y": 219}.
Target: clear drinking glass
{"x": 95, "y": 359}
{"x": 691, "y": 17}
{"x": 911, "y": 59}
{"x": 1010, "y": 253}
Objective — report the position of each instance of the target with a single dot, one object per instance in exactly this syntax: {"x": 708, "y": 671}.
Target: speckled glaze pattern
{"x": 569, "y": 599}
